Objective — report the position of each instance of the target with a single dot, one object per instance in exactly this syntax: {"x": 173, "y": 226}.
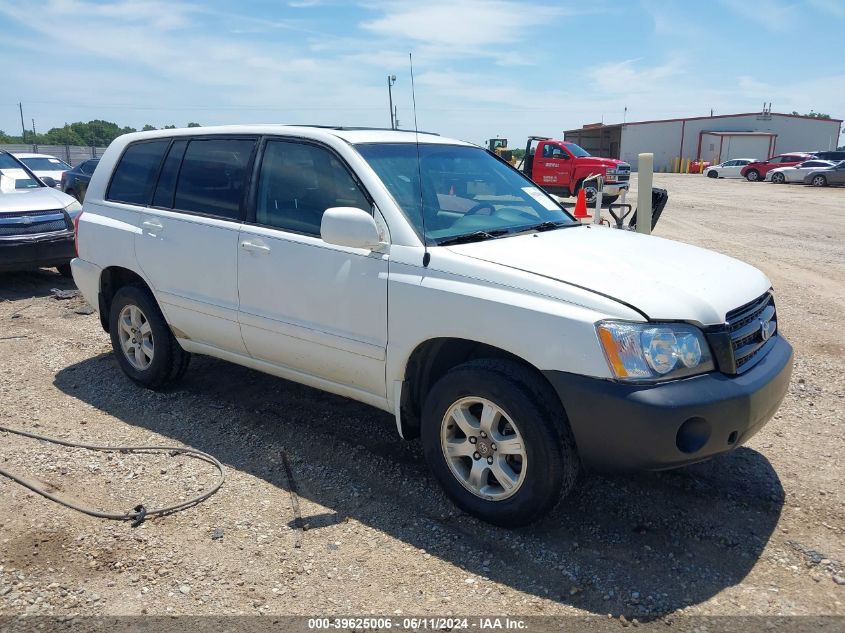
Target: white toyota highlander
{"x": 426, "y": 277}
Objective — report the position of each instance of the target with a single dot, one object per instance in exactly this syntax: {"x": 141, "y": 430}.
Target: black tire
{"x": 65, "y": 271}
{"x": 590, "y": 191}
{"x": 752, "y": 175}
{"x": 778, "y": 178}
{"x": 819, "y": 181}
{"x": 552, "y": 464}
{"x": 169, "y": 361}
{"x": 712, "y": 174}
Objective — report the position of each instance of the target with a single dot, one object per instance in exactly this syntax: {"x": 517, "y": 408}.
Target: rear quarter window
{"x": 135, "y": 176}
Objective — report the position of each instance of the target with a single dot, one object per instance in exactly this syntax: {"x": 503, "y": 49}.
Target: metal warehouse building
{"x": 713, "y": 138}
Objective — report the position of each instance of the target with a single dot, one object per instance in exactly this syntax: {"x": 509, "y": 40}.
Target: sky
{"x": 482, "y": 68}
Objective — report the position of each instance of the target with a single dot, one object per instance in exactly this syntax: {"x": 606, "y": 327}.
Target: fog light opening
{"x": 732, "y": 438}
{"x": 693, "y": 435}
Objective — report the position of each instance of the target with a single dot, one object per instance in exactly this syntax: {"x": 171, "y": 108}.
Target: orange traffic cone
{"x": 581, "y": 206}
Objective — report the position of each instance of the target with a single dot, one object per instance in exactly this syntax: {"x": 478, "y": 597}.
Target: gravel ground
{"x": 326, "y": 511}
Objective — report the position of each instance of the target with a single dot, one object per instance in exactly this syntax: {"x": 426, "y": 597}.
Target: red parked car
{"x": 757, "y": 170}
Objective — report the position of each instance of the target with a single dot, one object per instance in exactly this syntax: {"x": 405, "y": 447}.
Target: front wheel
{"x": 497, "y": 443}
{"x": 712, "y": 174}
{"x": 778, "y": 178}
{"x": 752, "y": 176}
{"x": 819, "y": 181}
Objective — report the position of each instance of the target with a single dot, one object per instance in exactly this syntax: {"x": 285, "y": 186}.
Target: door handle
{"x": 252, "y": 247}
{"x": 152, "y": 226}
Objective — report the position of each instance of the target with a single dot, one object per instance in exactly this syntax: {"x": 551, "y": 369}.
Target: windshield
{"x": 577, "y": 150}
{"x": 466, "y": 192}
{"x": 10, "y": 166}
{"x": 41, "y": 163}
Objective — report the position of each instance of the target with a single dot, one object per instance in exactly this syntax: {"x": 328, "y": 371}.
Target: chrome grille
{"x": 751, "y": 328}
{"x": 34, "y": 223}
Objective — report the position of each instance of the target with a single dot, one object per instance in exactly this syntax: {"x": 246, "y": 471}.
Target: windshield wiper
{"x": 550, "y": 226}
{"x": 475, "y": 236}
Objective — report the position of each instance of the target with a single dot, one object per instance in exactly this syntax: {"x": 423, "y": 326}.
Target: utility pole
{"x": 23, "y": 127}
{"x": 391, "y": 79}
{"x": 395, "y": 118}
{"x": 33, "y": 130}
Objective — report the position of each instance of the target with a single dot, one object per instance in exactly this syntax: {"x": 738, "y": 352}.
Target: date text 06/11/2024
{"x": 422, "y": 623}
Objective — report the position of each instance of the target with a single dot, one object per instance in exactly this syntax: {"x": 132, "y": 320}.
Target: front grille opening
{"x": 34, "y": 223}
{"x": 751, "y": 328}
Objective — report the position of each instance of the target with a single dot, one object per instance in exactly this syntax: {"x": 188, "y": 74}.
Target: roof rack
{"x": 346, "y": 128}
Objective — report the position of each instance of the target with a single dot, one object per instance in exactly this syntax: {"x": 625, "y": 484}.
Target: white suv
{"x": 426, "y": 277}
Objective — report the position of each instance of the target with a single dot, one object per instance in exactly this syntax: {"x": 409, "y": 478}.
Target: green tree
{"x": 148, "y": 128}
{"x": 192, "y": 124}
{"x": 169, "y": 127}
{"x": 814, "y": 115}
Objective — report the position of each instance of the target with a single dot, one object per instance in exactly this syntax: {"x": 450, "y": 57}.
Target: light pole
{"x": 391, "y": 79}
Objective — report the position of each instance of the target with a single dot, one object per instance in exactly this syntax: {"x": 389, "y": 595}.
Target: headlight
{"x": 73, "y": 209}
{"x": 610, "y": 171}
{"x": 654, "y": 351}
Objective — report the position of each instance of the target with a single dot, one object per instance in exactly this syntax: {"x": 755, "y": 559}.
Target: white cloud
{"x": 772, "y": 15}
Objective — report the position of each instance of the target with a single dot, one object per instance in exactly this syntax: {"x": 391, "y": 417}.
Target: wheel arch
{"x": 433, "y": 358}
{"x": 112, "y": 279}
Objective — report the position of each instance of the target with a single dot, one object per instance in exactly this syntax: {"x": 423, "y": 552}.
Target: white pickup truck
{"x": 426, "y": 277}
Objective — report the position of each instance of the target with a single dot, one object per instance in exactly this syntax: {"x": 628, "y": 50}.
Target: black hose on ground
{"x": 139, "y": 513}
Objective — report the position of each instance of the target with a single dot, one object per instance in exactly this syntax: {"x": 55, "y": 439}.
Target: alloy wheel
{"x": 136, "y": 337}
{"x": 483, "y": 448}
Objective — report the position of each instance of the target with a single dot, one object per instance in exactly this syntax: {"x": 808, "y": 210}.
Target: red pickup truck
{"x": 560, "y": 168}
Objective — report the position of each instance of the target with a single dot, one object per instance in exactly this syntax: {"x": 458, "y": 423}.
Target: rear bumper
{"x": 41, "y": 252}
{"x": 655, "y": 427}
{"x": 86, "y": 276}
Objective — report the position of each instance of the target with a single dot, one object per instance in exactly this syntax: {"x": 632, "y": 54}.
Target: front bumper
{"x": 620, "y": 426}
{"x": 614, "y": 188}
{"x": 37, "y": 252}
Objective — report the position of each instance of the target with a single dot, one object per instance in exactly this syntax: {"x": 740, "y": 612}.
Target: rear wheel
{"x": 712, "y": 174}
{"x": 497, "y": 443}
{"x": 752, "y": 176}
{"x": 64, "y": 270}
{"x": 145, "y": 348}
{"x": 819, "y": 181}
{"x": 778, "y": 178}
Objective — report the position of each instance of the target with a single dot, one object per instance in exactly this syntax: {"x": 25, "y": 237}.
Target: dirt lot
{"x": 758, "y": 531}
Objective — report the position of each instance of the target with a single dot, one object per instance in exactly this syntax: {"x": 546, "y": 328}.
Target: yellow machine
{"x": 499, "y": 146}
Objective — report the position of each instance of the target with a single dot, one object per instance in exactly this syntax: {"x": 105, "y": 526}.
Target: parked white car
{"x": 36, "y": 221}
{"x": 44, "y": 165}
{"x": 728, "y": 169}
{"x": 425, "y": 277}
{"x": 796, "y": 173}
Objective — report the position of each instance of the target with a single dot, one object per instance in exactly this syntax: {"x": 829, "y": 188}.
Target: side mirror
{"x": 48, "y": 180}
{"x": 351, "y": 227}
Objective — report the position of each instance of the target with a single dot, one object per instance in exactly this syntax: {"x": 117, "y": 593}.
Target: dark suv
{"x": 830, "y": 155}
{"x": 75, "y": 181}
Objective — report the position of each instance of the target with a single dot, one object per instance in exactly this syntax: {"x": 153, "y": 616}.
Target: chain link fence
{"x": 71, "y": 154}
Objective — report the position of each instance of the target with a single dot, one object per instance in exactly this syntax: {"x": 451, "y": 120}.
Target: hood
{"x": 663, "y": 279}
{"x": 598, "y": 161}
{"x": 39, "y": 199}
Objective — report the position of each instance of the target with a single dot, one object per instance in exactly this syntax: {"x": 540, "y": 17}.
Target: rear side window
{"x": 135, "y": 176}
{"x": 89, "y": 166}
{"x": 213, "y": 177}
{"x": 169, "y": 172}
